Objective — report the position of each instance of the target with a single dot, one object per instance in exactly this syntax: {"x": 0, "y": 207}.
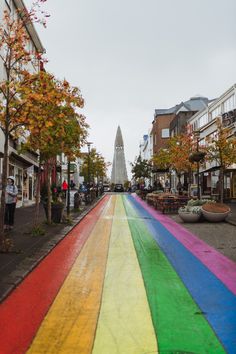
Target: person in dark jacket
{"x": 10, "y": 203}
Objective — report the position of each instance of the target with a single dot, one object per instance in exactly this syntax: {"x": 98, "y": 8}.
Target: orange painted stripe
{"x": 70, "y": 324}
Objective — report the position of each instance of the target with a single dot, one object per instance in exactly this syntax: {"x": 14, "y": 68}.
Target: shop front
{"x": 210, "y": 184}
{"x": 24, "y": 170}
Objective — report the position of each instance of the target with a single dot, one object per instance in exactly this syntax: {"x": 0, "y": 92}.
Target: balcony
{"x": 229, "y": 118}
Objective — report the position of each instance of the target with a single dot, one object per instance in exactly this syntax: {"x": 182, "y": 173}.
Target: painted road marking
{"x": 125, "y": 324}
{"x": 70, "y": 324}
{"x": 24, "y": 309}
{"x": 216, "y": 302}
{"x": 177, "y": 319}
{"x": 217, "y": 263}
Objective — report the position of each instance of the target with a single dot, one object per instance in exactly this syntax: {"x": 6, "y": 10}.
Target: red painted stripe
{"x": 23, "y": 311}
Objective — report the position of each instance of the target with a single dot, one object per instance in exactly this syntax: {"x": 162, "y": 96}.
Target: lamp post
{"x": 68, "y": 189}
{"x": 197, "y": 135}
{"x": 88, "y": 145}
{"x": 198, "y": 157}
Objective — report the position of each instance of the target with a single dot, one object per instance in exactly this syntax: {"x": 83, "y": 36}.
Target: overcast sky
{"x": 130, "y": 57}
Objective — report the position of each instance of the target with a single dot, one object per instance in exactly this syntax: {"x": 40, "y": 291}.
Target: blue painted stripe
{"x": 216, "y": 302}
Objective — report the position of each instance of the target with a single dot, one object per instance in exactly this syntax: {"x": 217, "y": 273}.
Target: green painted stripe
{"x": 179, "y": 325}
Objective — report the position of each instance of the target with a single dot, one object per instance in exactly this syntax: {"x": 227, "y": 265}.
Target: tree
{"x": 176, "y": 155}
{"x": 221, "y": 149}
{"x": 162, "y": 159}
{"x": 141, "y": 169}
{"x": 53, "y": 124}
{"x": 15, "y": 57}
{"x": 94, "y": 165}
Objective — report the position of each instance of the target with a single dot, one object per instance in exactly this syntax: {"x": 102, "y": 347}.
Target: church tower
{"x": 119, "y": 172}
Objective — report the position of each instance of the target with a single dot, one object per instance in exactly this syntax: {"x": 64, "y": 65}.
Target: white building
{"x": 146, "y": 150}
{"x": 22, "y": 166}
{"x": 205, "y": 123}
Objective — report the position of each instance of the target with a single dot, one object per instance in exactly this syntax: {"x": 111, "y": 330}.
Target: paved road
{"x": 125, "y": 280}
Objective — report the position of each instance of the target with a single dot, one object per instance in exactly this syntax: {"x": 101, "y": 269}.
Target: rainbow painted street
{"x": 126, "y": 279}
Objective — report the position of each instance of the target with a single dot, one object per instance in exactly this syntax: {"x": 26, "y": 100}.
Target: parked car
{"x": 106, "y": 188}
{"x": 119, "y": 187}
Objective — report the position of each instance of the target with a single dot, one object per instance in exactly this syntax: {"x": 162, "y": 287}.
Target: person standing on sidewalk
{"x": 64, "y": 187}
{"x": 10, "y": 206}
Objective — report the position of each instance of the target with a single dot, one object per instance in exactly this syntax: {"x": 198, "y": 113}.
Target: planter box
{"x": 215, "y": 212}
{"x": 189, "y": 217}
{"x": 56, "y": 212}
{"x": 215, "y": 217}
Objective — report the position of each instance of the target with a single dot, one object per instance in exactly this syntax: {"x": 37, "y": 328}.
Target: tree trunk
{"x": 4, "y": 182}
{"x": 49, "y": 202}
{"x": 221, "y": 184}
{"x": 37, "y": 196}
{"x": 190, "y": 179}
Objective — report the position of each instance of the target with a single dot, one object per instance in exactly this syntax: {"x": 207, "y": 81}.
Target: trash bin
{"x": 76, "y": 200}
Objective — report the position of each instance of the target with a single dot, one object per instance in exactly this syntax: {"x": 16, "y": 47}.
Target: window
{"x": 165, "y": 133}
{"x": 216, "y": 112}
{"x": 203, "y": 120}
{"x": 229, "y": 104}
{"x": 196, "y": 125}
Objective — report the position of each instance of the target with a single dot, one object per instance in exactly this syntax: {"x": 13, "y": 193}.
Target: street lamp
{"x": 197, "y": 157}
{"x": 88, "y": 145}
{"x": 68, "y": 189}
{"x": 197, "y": 135}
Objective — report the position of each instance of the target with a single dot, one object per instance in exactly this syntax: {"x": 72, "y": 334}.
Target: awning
{"x": 25, "y": 160}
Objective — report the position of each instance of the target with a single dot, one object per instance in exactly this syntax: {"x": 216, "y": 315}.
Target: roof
{"x": 194, "y": 104}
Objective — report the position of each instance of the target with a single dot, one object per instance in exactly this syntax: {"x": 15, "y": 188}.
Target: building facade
{"x": 204, "y": 122}
{"x": 22, "y": 166}
{"x": 170, "y": 122}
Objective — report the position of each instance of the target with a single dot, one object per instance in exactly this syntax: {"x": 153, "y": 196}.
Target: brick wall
{"x": 159, "y": 123}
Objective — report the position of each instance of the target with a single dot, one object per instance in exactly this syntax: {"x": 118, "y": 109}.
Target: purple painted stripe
{"x": 222, "y": 267}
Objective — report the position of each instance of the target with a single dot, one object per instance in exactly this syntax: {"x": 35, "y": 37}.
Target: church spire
{"x": 119, "y": 139}
{"x": 119, "y": 172}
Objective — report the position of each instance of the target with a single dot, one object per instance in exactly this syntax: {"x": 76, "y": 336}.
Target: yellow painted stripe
{"x": 70, "y": 325}
{"x": 125, "y": 324}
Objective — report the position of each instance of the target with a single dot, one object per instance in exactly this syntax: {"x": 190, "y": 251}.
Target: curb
{"x": 230, "y": 221}
{"x": 12, "y": 280}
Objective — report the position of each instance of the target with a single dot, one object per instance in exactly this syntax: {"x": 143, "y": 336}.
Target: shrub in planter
{"x": 215, "y": 212}
{"x": 199, "y": 202}
{"x": 190, "y": 213}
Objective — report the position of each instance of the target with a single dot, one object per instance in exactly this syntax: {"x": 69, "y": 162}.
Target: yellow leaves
{"x": 48, "y": 124}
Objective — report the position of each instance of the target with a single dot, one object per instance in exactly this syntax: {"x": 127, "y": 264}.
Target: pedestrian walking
{"x": 64, "y": 187}
{"x": 10, "y": 203}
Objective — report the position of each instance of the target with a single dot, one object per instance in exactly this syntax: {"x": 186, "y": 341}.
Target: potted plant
{"x": 197, "y": 156}
{"x": 57, "y": 205}
{"x": 199, "y": 202}
{"x": 190, "y": 213}
{"x": 215, "y": 212}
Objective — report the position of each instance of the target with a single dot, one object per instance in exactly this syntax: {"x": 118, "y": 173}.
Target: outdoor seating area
{"x": 166, "y": 203}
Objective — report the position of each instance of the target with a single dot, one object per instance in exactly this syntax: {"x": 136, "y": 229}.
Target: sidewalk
{"x": 28, "y": 249}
